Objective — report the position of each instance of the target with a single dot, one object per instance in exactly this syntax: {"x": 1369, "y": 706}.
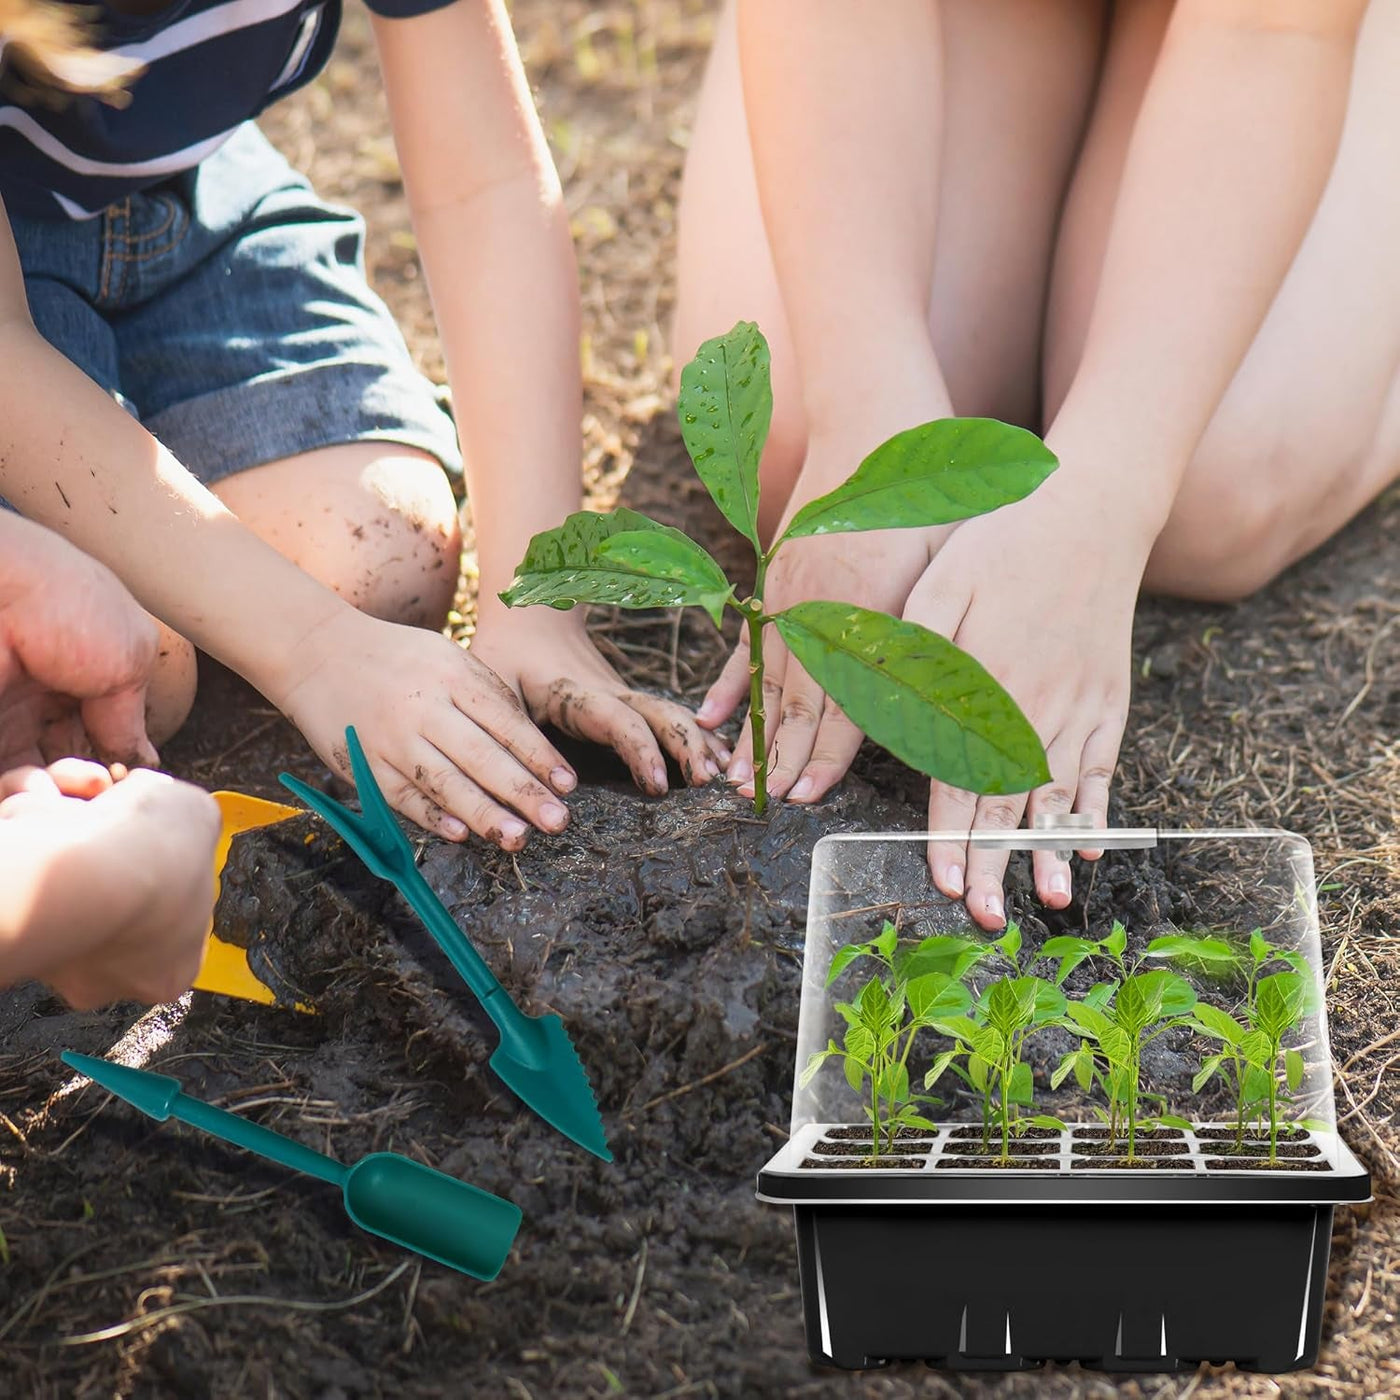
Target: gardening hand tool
{"x": 394, "y": 1197}
{"x": 536, "y": 1059}
{"x": 225, "y": 969}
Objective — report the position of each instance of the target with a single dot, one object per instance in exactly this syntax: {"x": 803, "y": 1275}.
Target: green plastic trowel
{"x": 394, "y": 1197}
{"x": 535, "y": 1059}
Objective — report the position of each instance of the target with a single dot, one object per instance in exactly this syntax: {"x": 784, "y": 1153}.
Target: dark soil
{"x": 1024, "y": 1135}
{"x": 1018, "y": 1164}
{"x": 146, "y": 1261}
{"x": 856, "y": 1149}
{"x": 1016, "y": 1149}
{"x": 1143, "y": 1135}
{"x": 1151, "y": 1149}
{"x": 1262, "y": 1164}
{"x": 1132, "y": 1164}
{"x": 845, "y": 1164}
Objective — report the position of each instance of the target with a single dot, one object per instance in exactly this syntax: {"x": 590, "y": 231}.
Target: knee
{"x": 405, "y": 542}
{"x": 1226, "y": 542}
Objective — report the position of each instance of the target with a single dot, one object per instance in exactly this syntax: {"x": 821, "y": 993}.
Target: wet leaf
{"x": 670, "y": 556}
{"x": 725, "y": 406}
{"x": 934, "y": 474}
{"x": 565, "y": 566}
{"x": 917, "y": 695}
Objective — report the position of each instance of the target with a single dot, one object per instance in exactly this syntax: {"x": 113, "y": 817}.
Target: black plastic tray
{"x": 998, "y": 1269}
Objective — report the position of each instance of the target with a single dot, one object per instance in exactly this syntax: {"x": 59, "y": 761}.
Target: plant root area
{"x": 143, "y": 1260}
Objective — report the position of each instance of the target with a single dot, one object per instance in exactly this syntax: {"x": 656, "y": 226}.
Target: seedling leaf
{"x": 917, "y": 695}
{"x": 725, "y": 406}
{"x": 933, "y": 474}
{"x": 671, "y": 557}
{"x": 565, "y": 566}
{"x": 1293, "y": 1068}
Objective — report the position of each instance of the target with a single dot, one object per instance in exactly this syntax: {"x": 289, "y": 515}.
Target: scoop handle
{"x": 458, "y": 947}
{"x": 230, "y": 1127}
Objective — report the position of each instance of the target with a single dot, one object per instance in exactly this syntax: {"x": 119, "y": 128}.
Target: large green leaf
{"x": 566, "y": 565}
{"x": 917, "y": 695}
{"x": 725, "y": 406}
{"x": 1218, "y": 1024}
{"x": 1213, "y": 954}
{"x": 934, "y": 474}
{"x": 670, "y": 556}
{"x": 935, "y": 996}
{"x": 1278, "y": 1002}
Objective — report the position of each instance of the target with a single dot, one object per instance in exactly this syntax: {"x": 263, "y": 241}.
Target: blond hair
{"x": 47, "y": 46}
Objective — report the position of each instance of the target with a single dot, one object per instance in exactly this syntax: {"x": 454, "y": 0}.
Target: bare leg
{"x": 1309, "y": 430}
{"x": 375, "y": 522}
{"x": 1012, "y": 127}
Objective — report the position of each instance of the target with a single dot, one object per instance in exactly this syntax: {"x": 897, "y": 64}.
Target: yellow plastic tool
{"x": 225, "y": 969}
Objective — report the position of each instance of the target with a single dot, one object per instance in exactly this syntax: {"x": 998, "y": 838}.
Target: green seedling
{"x": 990, "y": 1043}
{"x": 1115, "y": 1023}
{"x": 1252, "y": 1059}
{"x": 910, "y": 690}
{"x": 904, "y": 996}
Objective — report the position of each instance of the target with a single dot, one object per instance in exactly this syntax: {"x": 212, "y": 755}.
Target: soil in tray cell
{"x": 1286, "y": 1132}
{"x": 1262, "y": 1164}
{"x": 1010, "y": 1164}
{"x": 1144, "y": 1134}
{"x": 857, "y": 1133}
{"x": 1134, "y": 1164}
{"x": 1252, "y": 1147}
{"x": 1025, "y": 1135}
{"x": 1145, "y": 1146}
{"x": 851, "y": 1163}
{"x": 862, "y": 1149}
{"x": 1016, "y": 1148}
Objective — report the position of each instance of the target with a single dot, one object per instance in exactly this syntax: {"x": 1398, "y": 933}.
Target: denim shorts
{"x": 227, "y": 309}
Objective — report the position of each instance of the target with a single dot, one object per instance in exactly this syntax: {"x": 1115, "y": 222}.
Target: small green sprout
{"x": 906, "y": 995}
{"x": 990, "y": 1041}
{"x": 912, "y": 691}
{"x": 1116, "y": 1022}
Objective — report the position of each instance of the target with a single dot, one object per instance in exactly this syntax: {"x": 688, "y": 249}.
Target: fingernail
{"x": 724, "y": 754}
{"x": 802, "y": 789}
{"x": 740, "y": 771}
{"x": 658, "y": 775}
{"x": 995, "y": 907}
{"x": 953, "y": 879}
{"x": 1058, "y": 884}
{"x": 512, "y": 830}
{"x": 554, "y": 816}
{"x": 711, "y": 768}
{"x": 563, "y": 780}
{"x": 453, "y": 829}
{"x": 707, "y": 712}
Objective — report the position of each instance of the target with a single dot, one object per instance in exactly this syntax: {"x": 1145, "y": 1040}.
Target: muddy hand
{"x": 447, "y": 740}
{"x": 563, "y": 680}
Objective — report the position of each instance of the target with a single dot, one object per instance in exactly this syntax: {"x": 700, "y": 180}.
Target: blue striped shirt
{"x": 210, "y": 65}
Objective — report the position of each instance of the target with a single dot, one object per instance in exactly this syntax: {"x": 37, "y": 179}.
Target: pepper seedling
{"x": 910, "y": 690}
{"x": 913, "y": 989}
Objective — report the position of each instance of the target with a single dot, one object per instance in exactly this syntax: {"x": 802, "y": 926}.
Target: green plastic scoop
{"x": 394, "y": 1197}
{"x": 535, "y": 1059}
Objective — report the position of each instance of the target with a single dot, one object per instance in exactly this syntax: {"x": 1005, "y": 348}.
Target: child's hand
{"x": 124, "y": 880}
{"x": 1042, "y": 593}
{"x": 76, "y": 652}
{"x": 446, "y": 738}
{"x": 549, "y": 658}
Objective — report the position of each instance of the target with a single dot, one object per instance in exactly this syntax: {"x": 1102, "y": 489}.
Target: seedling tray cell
{"x": 989, "y": 1216}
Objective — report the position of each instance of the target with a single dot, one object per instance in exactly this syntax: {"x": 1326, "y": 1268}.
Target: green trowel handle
{"x": 239, "y": 1131}
{"x": 494, "y": 998}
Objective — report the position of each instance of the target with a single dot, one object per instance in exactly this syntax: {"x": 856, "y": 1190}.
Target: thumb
{"x": 116, "y": 724}
{"x": 731, "y": 686}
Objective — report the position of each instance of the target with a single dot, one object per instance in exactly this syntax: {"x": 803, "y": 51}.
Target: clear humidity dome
{"x": 1171, "y": 1019}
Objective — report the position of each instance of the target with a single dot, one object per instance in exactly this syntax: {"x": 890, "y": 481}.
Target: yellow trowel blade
{"x": 225, "y": 968}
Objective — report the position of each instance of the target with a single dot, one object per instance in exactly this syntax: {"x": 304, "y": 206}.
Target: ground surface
{"x": 143, "y": 1261}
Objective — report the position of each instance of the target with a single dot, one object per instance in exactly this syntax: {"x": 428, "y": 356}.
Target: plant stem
{"x": 757, "y": 725}
{"x": 1273, "y": 1108}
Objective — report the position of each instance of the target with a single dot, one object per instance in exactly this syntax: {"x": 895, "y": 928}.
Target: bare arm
{"x": 494, "y": 239}
{"x": 73, "y": 460}
{"x": 845, "y": 121}
{"x": 1227, "y": 163}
